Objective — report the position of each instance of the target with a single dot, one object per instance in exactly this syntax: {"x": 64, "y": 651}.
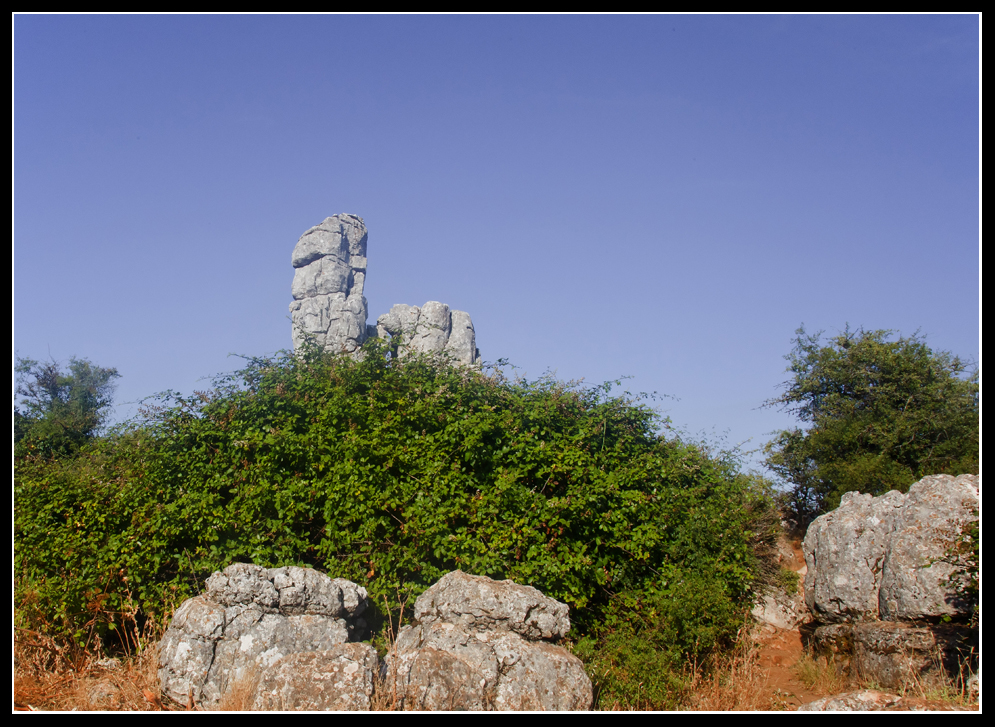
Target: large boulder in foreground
{"x": 337, "y": 679}
{"x": 480, "y": 644}
{"x": 886, "y": 557}
{"x": 248, "y": 620}
{"x": 883, "y": 588}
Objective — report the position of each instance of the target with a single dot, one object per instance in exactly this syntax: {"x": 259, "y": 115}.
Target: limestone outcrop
{"x": 248, "y": 620}
{"x": 885, "y": 557}
{"x": 432, "y": 328}
{"x": 330, "y": 308}
{"x": 880, "y": 585}
{"x": 480, "y": 644}
{"x": 285, "y": 639}
{"x": 330, "y": 272}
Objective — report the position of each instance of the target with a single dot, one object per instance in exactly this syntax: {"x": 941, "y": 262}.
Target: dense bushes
{"x": 391, "y": 473}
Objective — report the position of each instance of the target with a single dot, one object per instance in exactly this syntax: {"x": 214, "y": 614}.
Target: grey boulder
{"x": 477, "y": 645}
{"x": 250, "y": 618}
{"x": 844, "y": 555}
{"x": 430, "y": 329}
{"x": 916, "y": 573}
{"x": 886, "y": 557}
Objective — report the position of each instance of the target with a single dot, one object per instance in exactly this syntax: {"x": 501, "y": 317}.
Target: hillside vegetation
{"x": 392, "y": 472}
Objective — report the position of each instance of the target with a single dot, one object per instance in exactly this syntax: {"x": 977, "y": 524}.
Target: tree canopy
{"x": 882, "y": 413}
{"x": 59, "y": 410}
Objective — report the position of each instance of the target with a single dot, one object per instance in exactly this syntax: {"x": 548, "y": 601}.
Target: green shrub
{"x": 391, "y": 473}
{"x": 643, "y": 654}
{"x": 788, "y": 580}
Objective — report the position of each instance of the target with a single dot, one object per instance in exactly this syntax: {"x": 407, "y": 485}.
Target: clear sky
{"x": 665, "y": 197}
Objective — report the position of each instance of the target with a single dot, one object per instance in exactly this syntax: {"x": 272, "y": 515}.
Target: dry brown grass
{"x": 736, "y": 683}
{"x": 241, "y": 692}
{"x": 129, "y": 684}
{"x": 385, "y": 697}
{"x": 53, "y": 676}
{"x": 822, "y": 674}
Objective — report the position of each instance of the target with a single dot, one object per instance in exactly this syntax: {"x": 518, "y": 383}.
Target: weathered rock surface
{"x": 481, "y": 604}
{"x": 340, "y": 678}
{"x": 432, "y": 328}
{"x": 879, "y": 583}
{"x": 844, "y": 555}
{"x": 476, "y": 645}
{"x": 250, "y": 618}
{"x": 780, "y": 609}
{"x": 914, "y": 573}
{"x": 892, "y": 653}
{"x": 883, "y": 557}
{"x": 330, "y": 272}
{"x": 867, "y": 700}
{"x": 329, "y": 305}
{"x": 871, "y": 700}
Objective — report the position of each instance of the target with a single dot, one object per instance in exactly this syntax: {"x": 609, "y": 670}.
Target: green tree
{"x": 60, "y": 410}
{"x": 883, "y": 413}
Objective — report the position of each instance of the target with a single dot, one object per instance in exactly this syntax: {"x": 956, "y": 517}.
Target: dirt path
{"x": 779, "y": 655}
{"x": 781, "y": 651}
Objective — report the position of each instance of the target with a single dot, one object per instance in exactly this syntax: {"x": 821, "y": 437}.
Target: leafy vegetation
{"x": 62, "y": 410}
{"x": 392, "y": 472}
{"x": 882, "y": 414}
{"x": 964, "y": 554}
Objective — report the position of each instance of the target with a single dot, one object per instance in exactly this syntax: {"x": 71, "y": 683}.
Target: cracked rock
{"x": 249, "y": 619}
{"x": 477, "y": 644}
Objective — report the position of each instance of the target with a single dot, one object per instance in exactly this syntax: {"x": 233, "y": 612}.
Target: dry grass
{"x": 385, "y": 697}
{"x": 53, "y": 676}
{"x": 130, "y": 684}
{"x": 822, "y": 674}
{"x": 736, "y": 683}
{"x": 931, "y": 690}
{"x": 240, "y": 693}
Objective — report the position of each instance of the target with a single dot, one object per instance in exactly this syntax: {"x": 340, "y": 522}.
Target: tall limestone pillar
{"x": 330, "y": 270}
{"x": 329, "y": 306}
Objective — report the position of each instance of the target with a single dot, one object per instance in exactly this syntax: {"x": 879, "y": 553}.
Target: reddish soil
{"x": 779, "y": 653}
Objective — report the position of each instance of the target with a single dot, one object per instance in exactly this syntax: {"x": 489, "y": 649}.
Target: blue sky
{"x": 662, "y": 197}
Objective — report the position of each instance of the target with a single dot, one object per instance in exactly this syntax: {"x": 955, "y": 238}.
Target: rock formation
{"x": 885, "y": 557}
{"x": 286, "y": 638}
{"x": 879, "y": 579}
{"x": 479, "y": 644}
{"x": 433, "y": 328}
{"x": 337, "y": 679}
{"x": 782, "y": 607}
{"x": 330, "y": 271}
{"x": 249, "y": 619}
{"x": 329, "y": 306}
